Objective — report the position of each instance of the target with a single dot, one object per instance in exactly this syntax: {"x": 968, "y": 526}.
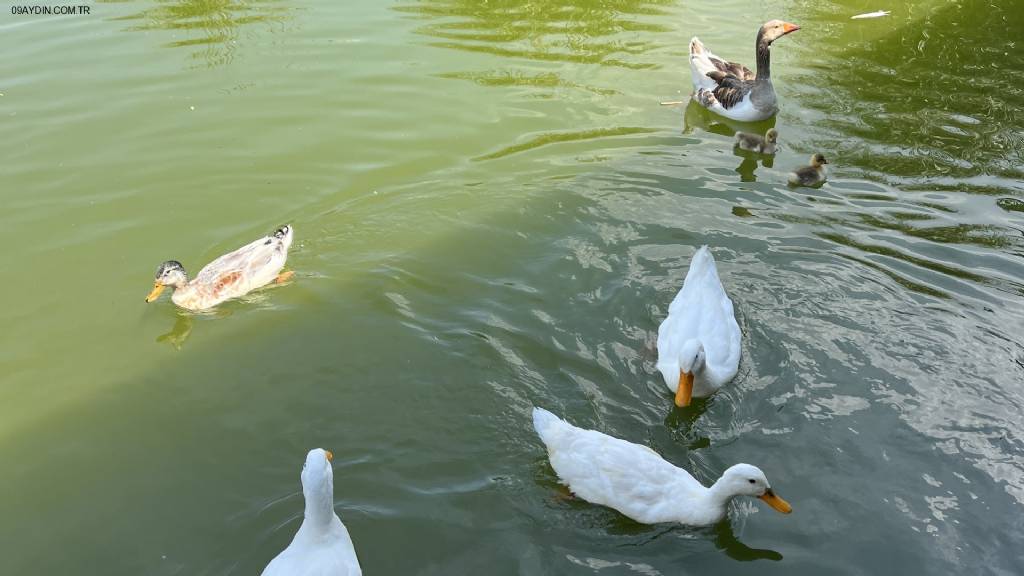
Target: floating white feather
{"x": 877, "y": 14}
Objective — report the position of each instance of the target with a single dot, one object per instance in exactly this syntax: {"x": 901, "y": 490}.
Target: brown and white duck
{"x": 731, "y": 89}
{"x": 232, "y": 275}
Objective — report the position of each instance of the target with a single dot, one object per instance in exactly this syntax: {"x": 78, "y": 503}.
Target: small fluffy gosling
{"x": 755, "y": 143}
{"x": 813, "y": 175}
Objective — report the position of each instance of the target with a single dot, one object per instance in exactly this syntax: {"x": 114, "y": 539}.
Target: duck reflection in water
{"x": 722, "y": 535}
{"x": 749, "y": 164}
{"x": 681, "y": 420}
{"x": 184, "y": 322}
{"x": 179, "y": 332}
{"x": 726, "y": 541}
{"x": 697, "y": 116}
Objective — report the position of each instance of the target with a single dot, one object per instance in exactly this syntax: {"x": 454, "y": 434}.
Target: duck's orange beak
{"x": 685, "y": 390}
{"x": 787, "y": 27}
{"x": 776, "y": 502}
{"x": 330, "y": 455}
{"x": 157, "y": 289}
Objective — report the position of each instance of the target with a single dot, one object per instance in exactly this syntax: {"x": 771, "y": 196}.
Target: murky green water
{"x": 492, "y": 212}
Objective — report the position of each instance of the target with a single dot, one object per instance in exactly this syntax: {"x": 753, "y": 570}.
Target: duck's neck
{"x": 764, "y": 58}
{"x": 183, "y": 292}
{"x": 319, "y": 506}
{"x": 719, "y": 495}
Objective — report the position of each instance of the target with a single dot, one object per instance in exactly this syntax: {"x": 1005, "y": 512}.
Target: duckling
{"x": 755, "y": 143}
{"x": 813, "y": 175}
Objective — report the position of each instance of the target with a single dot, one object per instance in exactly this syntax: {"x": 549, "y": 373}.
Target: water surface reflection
{"x": 211, "y": 28}
{"x": 581, "y": 32}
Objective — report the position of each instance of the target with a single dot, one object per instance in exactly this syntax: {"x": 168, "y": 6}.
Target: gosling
{"x": 755, "y": 143}
{"x": 813, "y": 175}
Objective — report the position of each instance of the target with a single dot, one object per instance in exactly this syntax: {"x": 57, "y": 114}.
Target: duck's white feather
{"x": 701, "y": 310}
{"x": 630, "y": 478}
{"x": 328, "y": 553}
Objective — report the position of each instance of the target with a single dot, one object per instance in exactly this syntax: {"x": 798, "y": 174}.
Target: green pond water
{"x": 493, "y": 211}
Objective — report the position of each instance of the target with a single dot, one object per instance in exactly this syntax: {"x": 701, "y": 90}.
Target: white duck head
{"x": 692, "y": 361}
{"x": 318, "y": 486}
{"x": 747, "y": 480}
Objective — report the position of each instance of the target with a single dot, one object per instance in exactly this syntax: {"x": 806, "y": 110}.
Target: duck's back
{"x": 330, "y": 555}
{"x": 628, "y": 477}
{"x": 704, "y": 311}
{"x": 236, "y": 273}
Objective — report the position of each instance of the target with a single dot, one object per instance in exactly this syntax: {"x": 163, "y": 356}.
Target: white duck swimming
{"x": 322, "y": 546}
{"x": 639, "y": 483}
{"x": 232, "y": 275}
{"x": 699, "y": 341}
{"x": 731, "y": 89}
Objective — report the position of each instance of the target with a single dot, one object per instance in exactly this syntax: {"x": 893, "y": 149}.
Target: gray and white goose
{"x": 731, "y": 89}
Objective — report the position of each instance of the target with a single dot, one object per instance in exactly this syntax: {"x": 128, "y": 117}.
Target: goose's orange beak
{"x": 330, "y": 455}
{"x": 685, "y": 390}
{"x": 157, "y": 289}
{"x": 787, "y": 27}
{"x": 776, "y": 502}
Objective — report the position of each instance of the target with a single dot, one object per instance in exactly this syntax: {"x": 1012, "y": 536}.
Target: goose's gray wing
{"x": 730, "y": 89}
{"x": 732, "y": 68}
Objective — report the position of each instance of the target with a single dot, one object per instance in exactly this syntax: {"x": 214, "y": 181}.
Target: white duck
{"x": 699, "y": 341}
{"x": 322, "y": 546}
{"x": 639, "y": 483}
{"x": 731, "y": 89}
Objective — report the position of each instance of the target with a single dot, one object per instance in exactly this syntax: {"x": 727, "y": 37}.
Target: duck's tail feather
{"x": 700, "y": 65}
{"x": 285, "y": 234}
{"x": 702, "y": 256}
{"x": 703, "y": 267}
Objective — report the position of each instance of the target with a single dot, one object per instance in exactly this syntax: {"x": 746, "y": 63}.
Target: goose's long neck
{"x": 764, "y": 58}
